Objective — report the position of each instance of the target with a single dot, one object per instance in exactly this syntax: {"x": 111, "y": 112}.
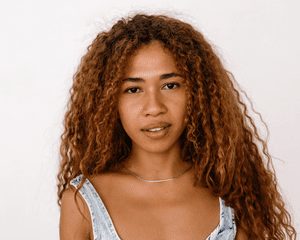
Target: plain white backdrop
{"x": 40, "y": 47}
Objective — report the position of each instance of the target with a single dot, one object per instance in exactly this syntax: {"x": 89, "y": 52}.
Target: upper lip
{"x": 156, "y": 125}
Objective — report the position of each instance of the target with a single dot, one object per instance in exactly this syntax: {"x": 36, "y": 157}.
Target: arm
{"x": 72, "y": 225}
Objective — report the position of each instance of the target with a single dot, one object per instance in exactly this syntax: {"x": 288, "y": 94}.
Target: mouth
{"x": 157, "y": 133}
{"x": 155, "y": 127}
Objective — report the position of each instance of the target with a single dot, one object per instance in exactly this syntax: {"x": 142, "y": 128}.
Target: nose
{"x": 154, "y": 104}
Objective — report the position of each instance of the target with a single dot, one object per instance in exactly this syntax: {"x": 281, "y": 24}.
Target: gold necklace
{"x": 163, "y": 180}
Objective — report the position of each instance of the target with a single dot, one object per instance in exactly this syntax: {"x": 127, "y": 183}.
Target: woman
{"x": 158, "y": 143}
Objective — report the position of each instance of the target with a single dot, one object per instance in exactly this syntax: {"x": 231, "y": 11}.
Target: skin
{"x": 140, "y": 210}
{"x": 151, "y": 100}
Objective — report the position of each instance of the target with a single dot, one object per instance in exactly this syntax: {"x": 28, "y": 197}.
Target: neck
{"x": 156, "y": 166}
{"x": 159, "y": 180}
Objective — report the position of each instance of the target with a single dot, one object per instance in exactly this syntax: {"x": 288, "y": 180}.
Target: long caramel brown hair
{"x": 221, "y": 139}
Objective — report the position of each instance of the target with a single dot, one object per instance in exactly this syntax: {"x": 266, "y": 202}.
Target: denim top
{"x": 103, "y": 227}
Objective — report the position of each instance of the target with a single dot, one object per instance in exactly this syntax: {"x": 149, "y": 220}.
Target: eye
{"x": 171, "y": 86}
{"x": 132, "y": 90}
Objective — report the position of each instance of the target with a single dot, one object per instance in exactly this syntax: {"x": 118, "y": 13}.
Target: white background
{"x": 40, "y": 46}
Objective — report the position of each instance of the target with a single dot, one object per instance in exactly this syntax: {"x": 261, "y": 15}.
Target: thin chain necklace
{"x": 163, "y": 180}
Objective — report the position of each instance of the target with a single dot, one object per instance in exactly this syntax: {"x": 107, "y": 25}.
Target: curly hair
{"x": 221, "y": 139}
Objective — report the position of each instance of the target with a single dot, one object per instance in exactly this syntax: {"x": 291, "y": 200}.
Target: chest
{"x": 163, "y": 216}
{"x": 165, "y": 222}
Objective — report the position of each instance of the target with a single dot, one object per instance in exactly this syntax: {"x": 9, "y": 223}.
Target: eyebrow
{"x": 161, "y": 77}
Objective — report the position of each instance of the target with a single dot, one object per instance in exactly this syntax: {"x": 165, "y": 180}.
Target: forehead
{"x": 151, "y": 58}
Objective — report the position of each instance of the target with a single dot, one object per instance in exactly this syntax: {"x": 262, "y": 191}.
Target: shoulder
{"x": 240, "y": 234}
{"x": 106, "y": 182}
{"x": 74, "y": 218}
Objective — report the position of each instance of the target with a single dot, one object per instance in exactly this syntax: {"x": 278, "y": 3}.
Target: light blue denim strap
{"x": 227, "y": 228}
{"x": 102, "y": 225}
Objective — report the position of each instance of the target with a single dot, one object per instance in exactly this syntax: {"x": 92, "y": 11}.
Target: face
{"x": 152, "y": 101}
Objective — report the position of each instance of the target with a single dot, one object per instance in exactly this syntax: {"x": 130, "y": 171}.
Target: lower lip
{"x": 157, "y": 135}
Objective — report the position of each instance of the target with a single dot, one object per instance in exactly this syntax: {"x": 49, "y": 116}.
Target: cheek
{"x": 183, "y": 111}
{"x": 180, "y": 104}
{"x": 128, "y": 111}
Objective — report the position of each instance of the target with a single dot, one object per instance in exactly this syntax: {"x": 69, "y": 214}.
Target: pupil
{"x": 170, "y": 85}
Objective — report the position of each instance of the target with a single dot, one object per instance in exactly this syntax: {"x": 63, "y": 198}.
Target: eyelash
{"x": 173, "y": 83}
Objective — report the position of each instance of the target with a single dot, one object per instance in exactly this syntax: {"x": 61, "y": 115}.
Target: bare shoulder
{"x": 107, "y": 182}
{"x": 240, "y": 234}
{"x": 73, "y": 225}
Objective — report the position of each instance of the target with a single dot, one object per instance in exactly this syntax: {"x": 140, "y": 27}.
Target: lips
{"x": 156, "y": 125}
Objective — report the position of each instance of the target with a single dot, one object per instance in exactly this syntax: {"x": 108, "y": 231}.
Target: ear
{"x": 119, "y": 120}
{"x": 117, "y": 113}
{"x": 186, "y": 120}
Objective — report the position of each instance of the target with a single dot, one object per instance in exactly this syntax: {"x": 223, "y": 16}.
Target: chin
{"x": 158, "y": 148}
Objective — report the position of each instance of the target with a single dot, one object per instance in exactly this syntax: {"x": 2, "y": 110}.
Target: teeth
{"x": 155, "y": 129}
